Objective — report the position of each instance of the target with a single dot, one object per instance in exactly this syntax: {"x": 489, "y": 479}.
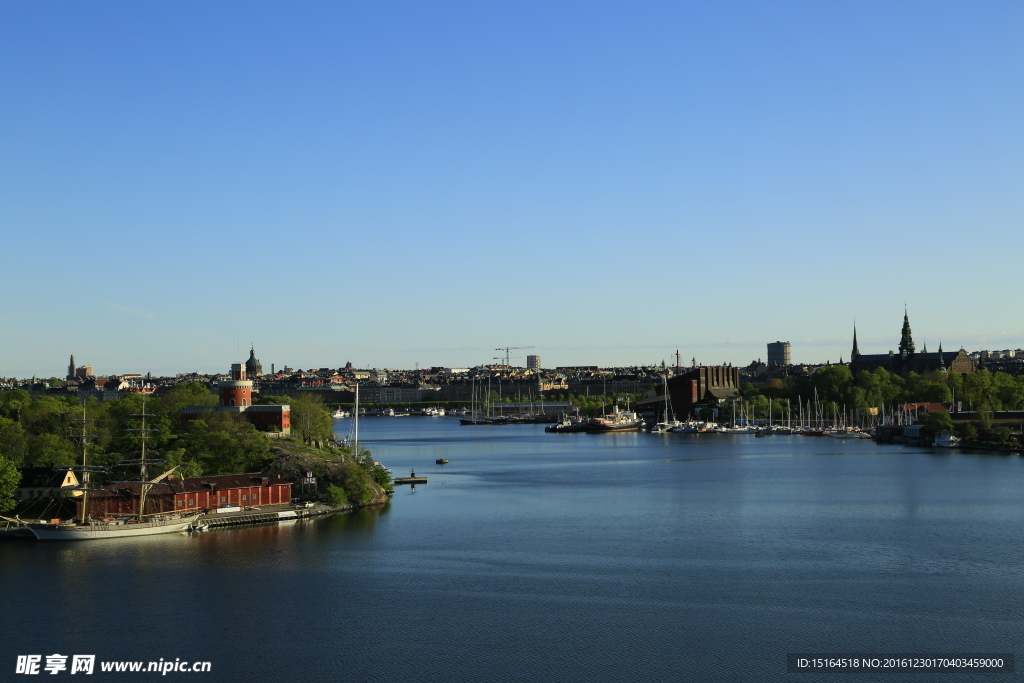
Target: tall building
{"x": 533, "y": 362}
{"x": 71, "y": 368}
{"x": 706, "y": 386}
{"x": 778, "y": 353}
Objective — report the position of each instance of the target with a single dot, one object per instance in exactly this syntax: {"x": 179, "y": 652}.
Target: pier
{"x": 268, "y": 514}
{"x": 411, "y": 479}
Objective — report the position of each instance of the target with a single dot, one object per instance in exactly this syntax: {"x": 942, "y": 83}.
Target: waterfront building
{"x": 191, "y": 494}
{"x": 701, "y": 387}
{"x": 778, "y": 353}
{"x": 908, "y": 360}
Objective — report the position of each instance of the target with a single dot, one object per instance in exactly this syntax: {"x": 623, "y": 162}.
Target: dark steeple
{"x": 906, "y": 341}
{"x": 942, "y": 361}
{"x": 855, "y": 354}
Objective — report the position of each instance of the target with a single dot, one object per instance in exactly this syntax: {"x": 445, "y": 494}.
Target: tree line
{"x": 837, "y": 389}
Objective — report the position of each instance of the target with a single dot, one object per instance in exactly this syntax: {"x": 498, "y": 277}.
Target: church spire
{"x": 942, "y": 361}
{"x": 906, "y": 340}
{"x": 855, "y": 354}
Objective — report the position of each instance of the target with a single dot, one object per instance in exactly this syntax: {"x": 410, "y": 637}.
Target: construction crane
{"x": 506, "y": 349}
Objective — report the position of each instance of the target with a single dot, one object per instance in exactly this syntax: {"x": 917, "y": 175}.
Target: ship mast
{"x": 84, "y": 484}
{"x": 144, "y": 484}
{"x": 355, "y": 425}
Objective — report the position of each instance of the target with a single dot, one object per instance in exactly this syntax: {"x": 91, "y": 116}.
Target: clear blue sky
{"x": 393, "y": 183}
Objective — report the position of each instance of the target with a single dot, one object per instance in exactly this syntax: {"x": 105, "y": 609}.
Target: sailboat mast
{"x": 355, "y": 423}
{"x": 144, "y": 435}
{"x": 85, "y": 472}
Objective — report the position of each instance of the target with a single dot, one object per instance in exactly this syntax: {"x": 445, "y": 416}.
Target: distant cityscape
{"x": 532, "y": 382}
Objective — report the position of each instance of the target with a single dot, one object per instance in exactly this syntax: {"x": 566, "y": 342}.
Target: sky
{"x": 395, "y": 184}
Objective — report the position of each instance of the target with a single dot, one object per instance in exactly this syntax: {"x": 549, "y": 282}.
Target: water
{"x": 568, "y": 557}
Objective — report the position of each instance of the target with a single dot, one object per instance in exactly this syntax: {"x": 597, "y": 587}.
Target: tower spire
{"x": 855, "y": 354}
{"x": 906, "y": 340}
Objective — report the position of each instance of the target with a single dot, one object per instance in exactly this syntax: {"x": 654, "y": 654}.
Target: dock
{"x": 266, "y": 514}
{"x": 411, "y": 479}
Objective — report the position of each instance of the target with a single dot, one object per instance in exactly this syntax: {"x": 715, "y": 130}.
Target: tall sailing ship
{"x": 139, "y": 524}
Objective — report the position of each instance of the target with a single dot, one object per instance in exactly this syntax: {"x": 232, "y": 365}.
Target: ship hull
{"x": 603, "y": 427}
{"x": 60, "y": 532}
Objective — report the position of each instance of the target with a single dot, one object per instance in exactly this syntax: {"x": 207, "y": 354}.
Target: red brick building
{"x": 177, "y": 495}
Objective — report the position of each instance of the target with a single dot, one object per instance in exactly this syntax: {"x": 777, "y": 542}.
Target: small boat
{"x": 567, "y": 424}
{"x": 441, "y": 461}
{"x": 946, "y": 441}
{"x": 339, "y": 413}
{"x": 200, "y": 527}
{"x": 617, "y": 421}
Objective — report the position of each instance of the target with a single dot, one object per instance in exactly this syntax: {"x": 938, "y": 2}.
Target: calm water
{"x": 575, "y": 557}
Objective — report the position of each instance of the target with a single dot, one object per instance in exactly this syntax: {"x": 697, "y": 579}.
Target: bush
{"x": 336, "y": 496}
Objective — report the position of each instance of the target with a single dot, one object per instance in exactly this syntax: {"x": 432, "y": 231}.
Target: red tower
{"x": 236, "y": 392}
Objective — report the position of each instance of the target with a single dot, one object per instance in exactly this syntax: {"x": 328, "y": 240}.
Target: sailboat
{"x": 668, "y": 423}
{"x": 140, "y": 524}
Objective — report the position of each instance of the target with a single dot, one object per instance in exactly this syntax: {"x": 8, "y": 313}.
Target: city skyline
{"x": 391, "y": 185}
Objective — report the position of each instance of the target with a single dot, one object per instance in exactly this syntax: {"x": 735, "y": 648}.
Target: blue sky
{"x": 395, "y": 183}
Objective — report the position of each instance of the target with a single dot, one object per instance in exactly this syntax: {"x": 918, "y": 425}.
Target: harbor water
{"x": 563, "y": 557}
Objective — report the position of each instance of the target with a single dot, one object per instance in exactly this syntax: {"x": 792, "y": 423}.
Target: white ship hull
{"x": 90, "y": 532}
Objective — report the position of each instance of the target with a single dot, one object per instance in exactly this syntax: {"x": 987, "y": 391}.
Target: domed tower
{"x": 237, "y": 391}
{"x": 253, "y": 368}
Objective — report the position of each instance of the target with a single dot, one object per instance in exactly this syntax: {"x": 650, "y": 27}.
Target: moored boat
{"x": 93, "y": 530}
{"x": 618, "y": 421}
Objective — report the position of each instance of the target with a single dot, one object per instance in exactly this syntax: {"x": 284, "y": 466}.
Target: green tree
{"x": 938, "y": 421}
{"x": 45, "y": 450}
{"x": 984, "y": 417}
{"x": 311, "y": 421}
{"x": 967, "y": 431}
{"x": 10, "y": 477}
{"x": 13, "y": 443}
{"x": 832, "y": 383}
{"x": 13, "y": 402}
{"x": 336, "y": 496}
